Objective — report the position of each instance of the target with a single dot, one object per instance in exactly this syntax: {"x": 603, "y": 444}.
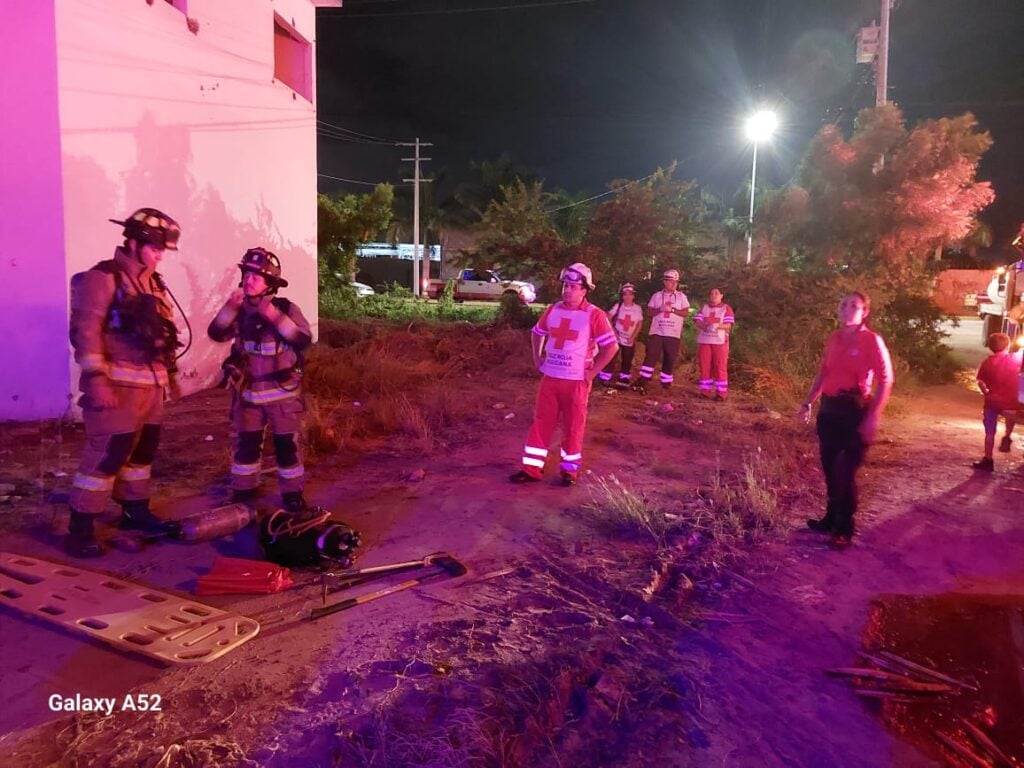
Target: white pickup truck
{"x": 482, "y": 285}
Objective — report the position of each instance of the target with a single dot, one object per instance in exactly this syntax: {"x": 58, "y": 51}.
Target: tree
{"x": 887, "y": 196}
{"x": 345, "y": 222}
{"x": 645, "y": 227}
{"x": 472, "y": 198}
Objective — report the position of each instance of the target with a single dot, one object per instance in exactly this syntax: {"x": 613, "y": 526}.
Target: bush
{"x": 512, "y": 313}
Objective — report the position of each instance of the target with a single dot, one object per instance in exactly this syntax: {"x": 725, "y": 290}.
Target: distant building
{"x": 397, "y": 251}
{"x": 204, "y": 109}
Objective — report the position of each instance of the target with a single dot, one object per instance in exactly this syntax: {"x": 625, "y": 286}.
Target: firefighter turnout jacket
{"x": 266, "y": 352}
{"x": 121, "y": 325}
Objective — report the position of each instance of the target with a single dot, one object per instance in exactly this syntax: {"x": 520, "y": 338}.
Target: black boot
{"x": 81, "y": 538}
{"x": 294, "y": 502}
{"x": 136, "y": 516}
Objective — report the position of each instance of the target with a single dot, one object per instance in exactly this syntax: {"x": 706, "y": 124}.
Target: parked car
{"x": 362, "y": 289}
{"x": 483, "y": 285}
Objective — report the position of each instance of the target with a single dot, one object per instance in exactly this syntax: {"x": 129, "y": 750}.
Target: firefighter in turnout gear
{"x": 125, "y": 342}
{"x": 269, "y": 335}
{"x": 564, "y": 342}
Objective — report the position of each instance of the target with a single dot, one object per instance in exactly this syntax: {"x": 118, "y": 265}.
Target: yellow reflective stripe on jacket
{"x": 264, "y": 396}
{"x": 122, "y": 373}
{"x": 93, "y": 363}
{"x": 291, "y": 473}
{"x": 266, "y": 349}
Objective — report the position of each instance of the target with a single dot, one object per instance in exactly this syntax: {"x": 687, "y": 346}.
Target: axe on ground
{"x": 335, "y": 581}
{"x": 447, "y": 566}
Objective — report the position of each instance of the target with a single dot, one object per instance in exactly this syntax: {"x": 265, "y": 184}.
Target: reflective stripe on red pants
{"x": 558, "y": 399}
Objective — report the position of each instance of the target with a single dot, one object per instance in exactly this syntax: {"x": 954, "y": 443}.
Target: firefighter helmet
{"x": 577, "y": 274}
{"x": 670, "y": 274}
{"x": 264, "y": 263}
{"x": 148, "y": 225}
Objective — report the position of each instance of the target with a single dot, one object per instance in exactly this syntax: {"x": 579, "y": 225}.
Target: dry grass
{"x": 616, "y": 506}
{"x": 368, "y": 382}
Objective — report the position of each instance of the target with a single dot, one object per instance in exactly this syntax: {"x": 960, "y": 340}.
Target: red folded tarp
{"x": 236, "y": 576}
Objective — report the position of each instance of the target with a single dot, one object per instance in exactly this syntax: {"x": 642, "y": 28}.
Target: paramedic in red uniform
{"x": 855, "y": 360}
{"x": 714, "y": 323}
{"x": 563, "y": 350}
{"x": 125, "y": 343}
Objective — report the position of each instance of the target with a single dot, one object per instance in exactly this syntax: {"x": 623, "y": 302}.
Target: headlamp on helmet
{"x": 151, "y": 227}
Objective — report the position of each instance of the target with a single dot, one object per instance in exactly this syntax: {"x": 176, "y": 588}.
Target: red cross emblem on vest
{"x": 626, "y": 322}
{"x": 564, "y": 333}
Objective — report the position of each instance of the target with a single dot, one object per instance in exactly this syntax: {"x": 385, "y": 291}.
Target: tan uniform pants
{"x": 250, "y": 421}
{"x": 121, "y": 443}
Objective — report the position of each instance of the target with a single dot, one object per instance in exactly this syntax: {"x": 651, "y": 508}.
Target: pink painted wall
{"x": 33, "y": 345}
{"x": 194, "y": 123}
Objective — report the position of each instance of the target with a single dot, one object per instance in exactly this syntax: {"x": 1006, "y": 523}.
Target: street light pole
{"x": 760, "y": 127}
{"x": 750, "y": 220}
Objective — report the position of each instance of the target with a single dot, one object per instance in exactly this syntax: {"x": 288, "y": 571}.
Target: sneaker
{"x": 1005, "y": 444}
{"x": 81, "y": 537}
{"x": 294, "y": 502}
{"x": 522, "y": 476}
{"x": 706, "y": 394}
{"x": 985, "y": 465}
{"x": 640, "y": 388}
{"x": 721, "y": 397}
{"x": 666, "y": 387}
{"x": 568, "y": 479}
{"x": 136, "y": 516}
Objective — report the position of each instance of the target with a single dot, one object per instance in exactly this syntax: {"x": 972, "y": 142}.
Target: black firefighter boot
{"x": 81, "y": 538}
{"x": 136, "y": 516}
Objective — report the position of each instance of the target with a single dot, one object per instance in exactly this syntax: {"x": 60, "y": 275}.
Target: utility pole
{"x": 417, "y": 178}
{"x": 882, "y": 63}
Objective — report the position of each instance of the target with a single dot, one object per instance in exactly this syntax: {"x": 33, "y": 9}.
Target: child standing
{"x": 997, "y": 379}
{"x": 626, "y": 318}
{"x": 714, "y": 322}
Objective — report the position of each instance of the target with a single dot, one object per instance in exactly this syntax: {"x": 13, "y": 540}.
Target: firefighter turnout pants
{"x": 714, "y": 368}
{"x": 556, "y": 398}
{"x": 250, "y": 421}
{"x": 666, "y": 348}
{"x": 120, "y": 445}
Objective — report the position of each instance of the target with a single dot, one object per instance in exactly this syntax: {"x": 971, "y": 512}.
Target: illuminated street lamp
{"x": 760, "y": 127}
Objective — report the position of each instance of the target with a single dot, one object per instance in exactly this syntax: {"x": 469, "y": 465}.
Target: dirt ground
{"x": 589, "y": 652}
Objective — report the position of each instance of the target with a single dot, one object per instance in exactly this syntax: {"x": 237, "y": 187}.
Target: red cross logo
{"x": 564, "y": 333}
{"x": 626, "y": 322}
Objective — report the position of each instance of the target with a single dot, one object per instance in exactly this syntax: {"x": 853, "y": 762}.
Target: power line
{"x": 354, "y": 181}
{"x": 348, "y": 15}
{"x": 603, "y": 194}
{"x": 357, "y": 134}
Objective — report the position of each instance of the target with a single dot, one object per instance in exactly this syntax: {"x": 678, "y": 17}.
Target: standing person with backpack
{"x": 269, "y": 335}
{"x": 668, "y": 309}
{"x": 125, "y": 342}
{"x": 626, "y": 318}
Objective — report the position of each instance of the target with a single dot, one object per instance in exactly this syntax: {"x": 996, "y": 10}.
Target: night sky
{"x": 586, "y": 91}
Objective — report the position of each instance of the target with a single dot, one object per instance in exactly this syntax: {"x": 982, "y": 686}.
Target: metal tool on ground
{"x": 205, "y": 526}
{"x": 446, "y": 564}
{"x": 335, "y": 581}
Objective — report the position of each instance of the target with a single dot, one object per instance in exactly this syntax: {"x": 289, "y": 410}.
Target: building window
{"x": 293, "y": 59}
